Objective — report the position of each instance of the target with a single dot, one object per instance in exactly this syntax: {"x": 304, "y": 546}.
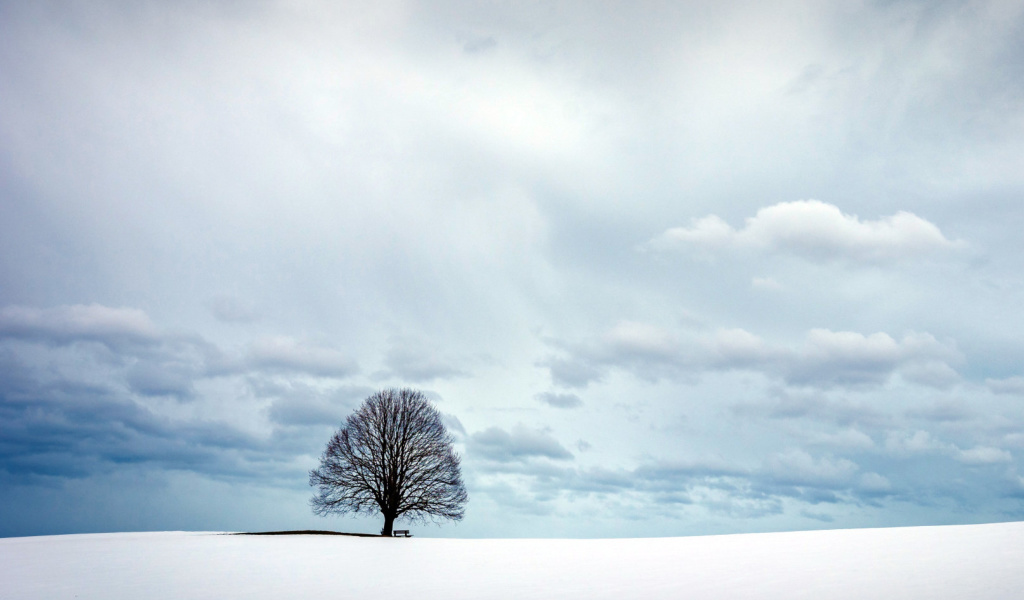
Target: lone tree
{"x": 392, "y": 455}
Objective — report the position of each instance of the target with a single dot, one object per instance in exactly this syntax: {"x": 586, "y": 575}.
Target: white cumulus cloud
{"x": 814, "y": 230}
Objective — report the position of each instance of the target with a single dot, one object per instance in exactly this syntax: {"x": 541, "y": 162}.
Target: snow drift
{"x": 969, "y": 561}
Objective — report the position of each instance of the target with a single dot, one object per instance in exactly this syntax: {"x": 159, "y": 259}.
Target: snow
{"x": 967, "y": 561}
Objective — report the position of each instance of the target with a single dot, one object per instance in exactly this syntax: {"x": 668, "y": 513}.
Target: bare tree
{"x": 393, "y": 455}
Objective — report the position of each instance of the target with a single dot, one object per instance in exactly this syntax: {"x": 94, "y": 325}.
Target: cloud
{"x": 941, "y": 411}
{"x": 300, "y": 404}
{"x": 736, "y": 348}
{"x": 454, "y": 425}
{"x": 766, "y": 283}
{"x": 521, "y": 443}
{"x": 828, "y": 358}
{"x": 457, "y": 175}
{"x": 155, "y": 363}
{"x": 642, "y": 341}
{"x": 795, "y": 473}
{"x": 825, "y": 358}
{"x": 922, "y": 442}
{"x": 573, "y": 373}
{"x": 476, "y": 44}
{"x": 150, "y": 378}
{"x": 813, "y": 404}
{"x": 847, "y": 438}
{"x": 668, "y": 474}
{"x": 66, "y": 324}
{"x": 67, "y": 428}
{"x": 306, "y": 412}
{"x": 918, "y": 442}
{"x": 797, "y": 467}
{"x": 712, "y": 484}
{"x": 846, "y": 357}
{"x": 983, "y": 455}
{"x": 815, "y": 231}
{"x": 873, "y": 482}
{"x": 818, "y": 516}
{"x": 161, "y": 363}
{"x": 560, "y": 400}
{"x": 645, "y": 349}
{"x": 290, "y": 355}
{"x": 230, "y": 309}
{"x": 77, "y": 410}
{"x": 933, "y": 373}
{"x": 1010, "y": 385}
{"x": 418, "y": 362}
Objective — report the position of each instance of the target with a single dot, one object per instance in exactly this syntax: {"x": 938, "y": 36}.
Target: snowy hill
{"x": 971, "y": 561}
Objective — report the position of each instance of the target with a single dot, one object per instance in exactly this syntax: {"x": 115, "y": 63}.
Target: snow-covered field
{"x": 963, "y": 562}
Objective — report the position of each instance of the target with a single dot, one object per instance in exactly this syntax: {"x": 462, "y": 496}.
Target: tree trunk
{"x": 389, "y": 523}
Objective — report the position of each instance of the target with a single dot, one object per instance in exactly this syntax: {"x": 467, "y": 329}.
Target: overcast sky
{"x": 667, "y": 268}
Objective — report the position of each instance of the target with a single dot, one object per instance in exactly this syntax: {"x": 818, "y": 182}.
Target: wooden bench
{"x": 401, "y": 533}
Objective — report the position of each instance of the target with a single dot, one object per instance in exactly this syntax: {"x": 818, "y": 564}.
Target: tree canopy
{"x": 393, "y": 455}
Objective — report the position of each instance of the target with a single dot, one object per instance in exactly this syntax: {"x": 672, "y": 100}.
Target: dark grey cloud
{"x": 68, "y": 429}
{"x": 82, "y": 389}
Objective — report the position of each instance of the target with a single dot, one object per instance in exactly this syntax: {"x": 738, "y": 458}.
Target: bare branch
{"x": 393, "y": 455}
